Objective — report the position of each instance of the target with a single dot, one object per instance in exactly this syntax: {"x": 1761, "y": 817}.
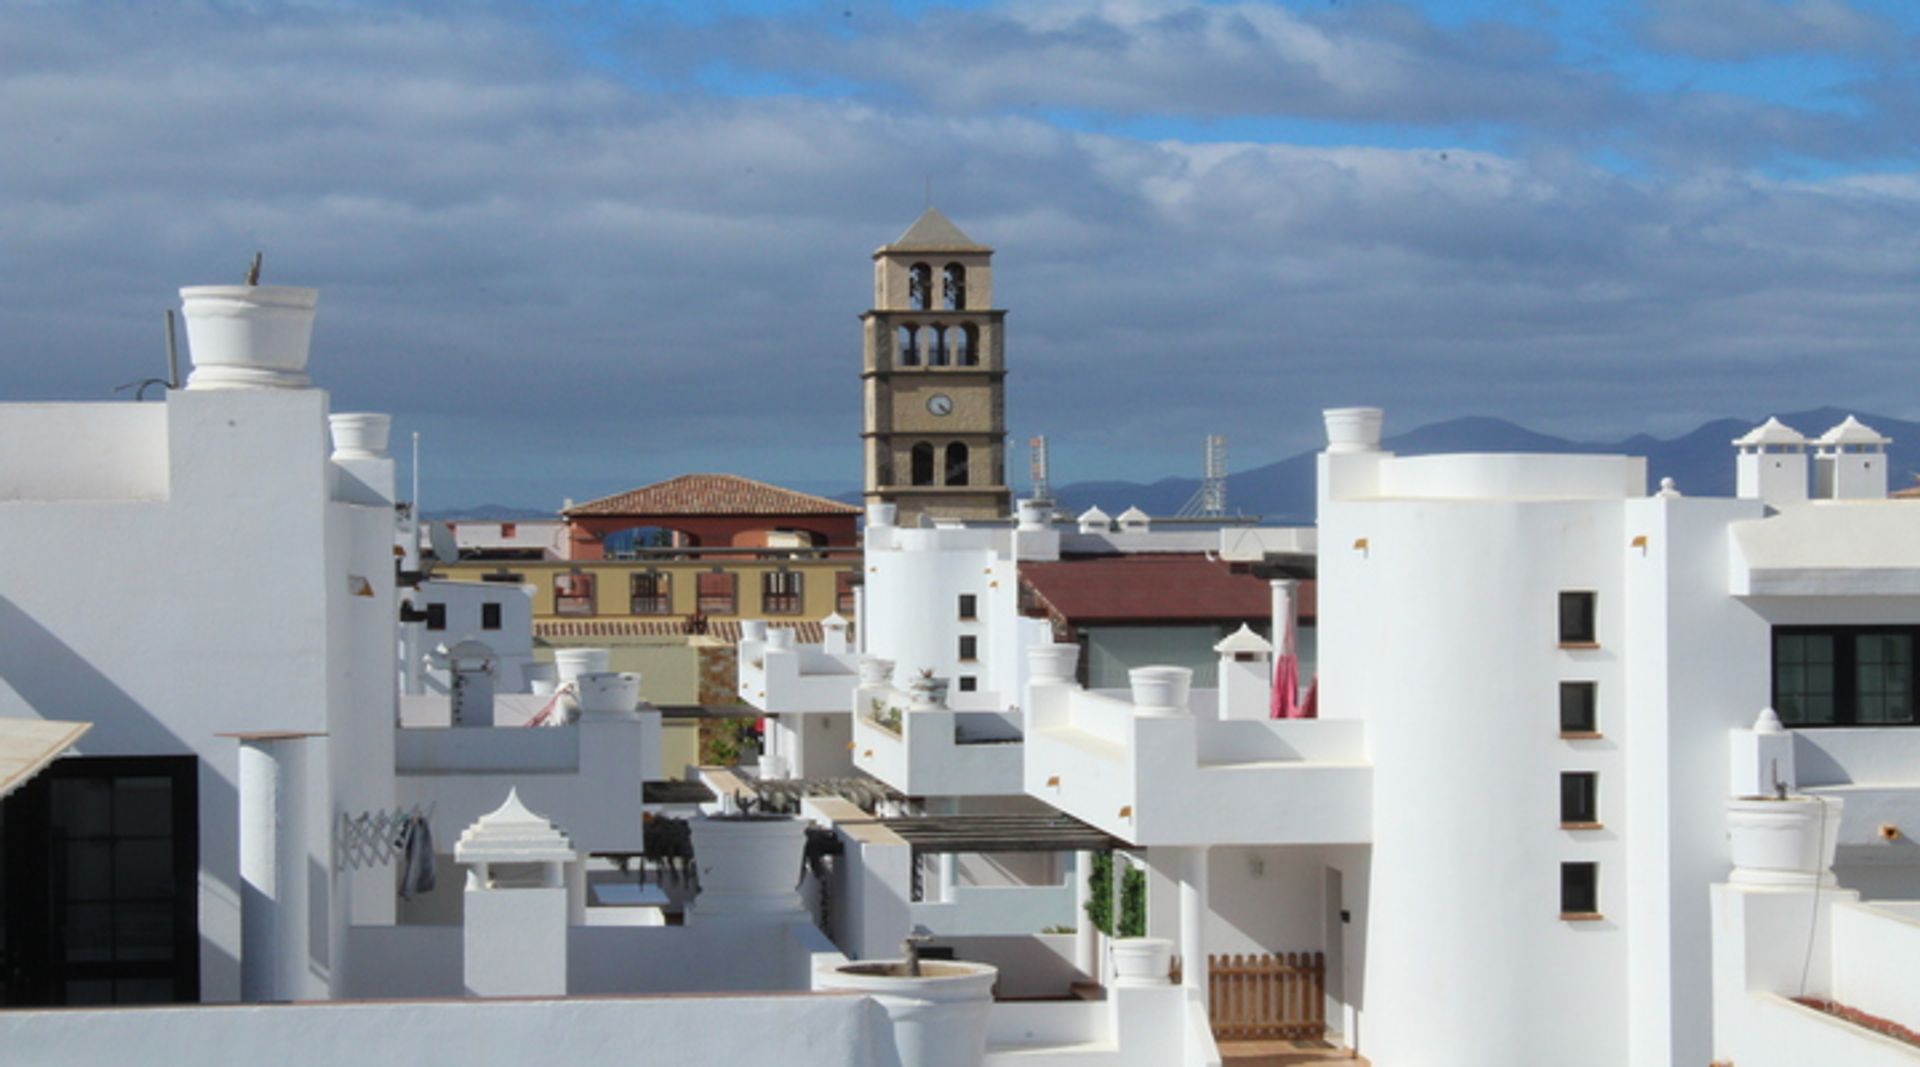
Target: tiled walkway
{"x": 1283, "y": 1054}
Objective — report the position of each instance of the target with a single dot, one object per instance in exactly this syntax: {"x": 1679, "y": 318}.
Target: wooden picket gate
{"x": 1273, "y": 997}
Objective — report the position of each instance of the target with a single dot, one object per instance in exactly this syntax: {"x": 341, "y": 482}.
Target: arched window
{"x": 909, "y": 353}
{"x": 923, "y": 464}
{"x": 956, "y": 464}
{"x": 953, "y": 287}
{"x": 936, "y": 345}
{"x": 964, "y": 343}
{"x": 920, "y": 287}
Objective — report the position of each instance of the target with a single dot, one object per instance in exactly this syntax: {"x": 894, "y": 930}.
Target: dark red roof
{"x": 1140, "y": 589}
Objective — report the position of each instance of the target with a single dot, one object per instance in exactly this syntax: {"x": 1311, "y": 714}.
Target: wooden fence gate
{"x": 1276, "y": 997}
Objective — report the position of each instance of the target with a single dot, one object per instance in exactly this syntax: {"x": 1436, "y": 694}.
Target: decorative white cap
{"x": 1134, "y": 517}
{"x": 1768, "y": 722}
{"x": 1243, "y": 640}
{"x": 1770, "y": 432}
{"x": 1667, "y": 489}
{"x": 1852, "y": 431}
{"x": 834, "y": 621}
{"x": 1094, "y": 519}
{"x": 512, "y": 834}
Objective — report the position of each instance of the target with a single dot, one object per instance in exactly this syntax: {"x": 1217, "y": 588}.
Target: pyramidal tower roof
{"x": 932, "y": 232}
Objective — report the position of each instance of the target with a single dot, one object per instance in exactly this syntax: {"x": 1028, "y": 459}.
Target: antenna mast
{"x": 1037, "y": 469}
{"x": 1210, "y": 500}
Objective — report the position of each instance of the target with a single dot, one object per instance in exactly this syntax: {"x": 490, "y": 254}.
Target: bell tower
{"x": 933, "y": 371}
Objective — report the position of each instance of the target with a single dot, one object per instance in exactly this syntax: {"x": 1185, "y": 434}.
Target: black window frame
{"x": 1580, "y": 889}
{"x": 1580, "y": 798}
{"x": 1586, "y": 629}
{"x": 491, "y": 615}
{"x": 969, "y": 648}
{"x": 969, "y": 683}
{"x": 782, "y": 592}
{"x": 1579, "y": 708}
{"x": 969, "y": 607}
{"x": 1846, "y": 691}
{"x": 436, "y": 617}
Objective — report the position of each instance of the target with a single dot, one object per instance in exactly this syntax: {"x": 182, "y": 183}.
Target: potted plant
{"x": 1783, "y": 839}
{"x": 875, "y": 671}
{"x": 926, "y": 691}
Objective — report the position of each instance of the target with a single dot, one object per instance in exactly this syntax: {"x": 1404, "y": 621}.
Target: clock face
{"x": 940, "y": 404}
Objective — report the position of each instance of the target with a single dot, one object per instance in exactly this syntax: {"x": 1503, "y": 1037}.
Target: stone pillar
{"x": 517, "y": 903}
{"x": 274, "y": 904}
{"x": 1193, "y": 919}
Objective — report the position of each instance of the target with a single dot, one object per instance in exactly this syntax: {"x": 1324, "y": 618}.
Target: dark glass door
{"x": 100, "y": 856}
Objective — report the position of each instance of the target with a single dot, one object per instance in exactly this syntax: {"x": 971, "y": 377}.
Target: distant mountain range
{"x": 1700, "y": 463}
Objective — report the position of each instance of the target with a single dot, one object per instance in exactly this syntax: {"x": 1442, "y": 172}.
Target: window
{"x": 969, "y": 647}
{"x": 953, "y": 287}
{"x": 780, "y": 592}
{"x": 909, "y": 351}
{"x": 1844, "y": 675}
{"x": 489, "y": 616}
{"x": 715, "y": 593}
{"x": 436, "y": 616}
{"x": 919, "y": 287}
{"x": 1579, "y": 709}
{"x": 573, "y": 593}
{"x": 1579, "y": 890}
{"x": 969, "y": 606}
{"x": 966, "y": 352}
{"x": 936, "y": 345}
{"x": 844, "y": 600}
{"x": 956, "y": 464}
{"x": 969, "y": 683}
{"x": 509, "y": 529}
{"x": 1576, "y": 619}
{"x": 505, "y": 577}
{"x": 923, "y": 464}
{"x": 650, "y": 594}
{"x": 1579, "y": 799}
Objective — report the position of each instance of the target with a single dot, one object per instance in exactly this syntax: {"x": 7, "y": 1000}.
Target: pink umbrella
{"x": 1286, "y": 678}
{"x": 1310, "y": 707}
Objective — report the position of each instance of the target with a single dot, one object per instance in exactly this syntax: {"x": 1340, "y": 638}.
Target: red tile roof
{"x": 1139, "y": 589}
{"x": 712, "y": 494}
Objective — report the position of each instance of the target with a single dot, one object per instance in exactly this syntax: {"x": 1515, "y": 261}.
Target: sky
{"x": 580, "y": 247}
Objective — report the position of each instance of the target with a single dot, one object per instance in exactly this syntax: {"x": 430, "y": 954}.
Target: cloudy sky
{"x": 585, "y": 246}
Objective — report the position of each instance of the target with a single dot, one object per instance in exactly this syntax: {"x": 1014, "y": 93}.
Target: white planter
{"x": 1052, "y": 662}
{"x": 875, "y": 671}
{"x": 1141, "y": 961}
{"x": 924, "y": 692}
{"x": 772, "y": 768}
{"x": 1783, "y": 842}
{"x": 881, "y": 514}
{"x": 753, "y": 630}
{"x": 1161, "y": 690}
{"x": 780, "y": 639}
{"x": 939, "y": 1018}
{"x": 749, "y": 866}
{"x": 1352, "y": 429}
{"x": 574, "y": 662}
{"x": 360, "y": 434}
{"x": 607, "y": 694}
{"x": 1033, "y": 515}
{"x": 248, "y": 336}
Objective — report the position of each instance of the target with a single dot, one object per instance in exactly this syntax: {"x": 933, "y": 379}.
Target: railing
{"x": 714, "y": 604}
{"x": 573, "y": 603}
{"x": 781, "y": 603}
{"x": 1273, "y": 997}
{"x": 645, "y": 604}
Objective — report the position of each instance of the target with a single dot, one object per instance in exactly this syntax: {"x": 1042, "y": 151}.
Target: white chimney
{"x": 1353, "y": 429}
{"x": 517, "y": 903}
{"x": 1246, "y": 675}
{"x": 1850, "y": 463}
{"x": 1771, "y": 464}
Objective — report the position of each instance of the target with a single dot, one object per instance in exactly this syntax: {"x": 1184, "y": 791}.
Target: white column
{"x": 1283, "y": 613}
{"x": 949, "y": 877}
{"x": 1086, "y": 940}
{"x": 1193, "y": 919}
{"x": 273, "y": 867}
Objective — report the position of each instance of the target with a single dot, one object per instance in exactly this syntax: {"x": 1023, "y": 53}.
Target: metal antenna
{"x": 253, "y": 272}
{"x": 173, "y": 354}
{"x": 1210, "y": 500}
{"x": 1037, "y": 472}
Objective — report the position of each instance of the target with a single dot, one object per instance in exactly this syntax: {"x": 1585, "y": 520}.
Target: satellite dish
{"x": 445, "y": 548}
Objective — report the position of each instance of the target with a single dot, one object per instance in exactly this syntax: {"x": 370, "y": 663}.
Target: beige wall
{"x": 818, "y": 584}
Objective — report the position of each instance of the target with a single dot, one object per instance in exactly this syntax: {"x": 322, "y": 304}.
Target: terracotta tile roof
{"x": 1138, "y": 589}
{"x": 712, "y": 494}
{"x": 806, "y": 633}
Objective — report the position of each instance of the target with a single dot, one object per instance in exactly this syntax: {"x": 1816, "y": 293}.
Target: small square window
{"x": 1579, "y": 798}
{"x": 969, "y": 606}
{"x": 1579, "y": 708}
{"x": 436, "y": 616}
{"x": 509, "y": 530}
{"x": 1579, "y": 890}
{"x": 969, "y": 647}
{"x": 1576, "y": 619}
{"x": 969, "y": 683}
{"x": 489, "y": 616}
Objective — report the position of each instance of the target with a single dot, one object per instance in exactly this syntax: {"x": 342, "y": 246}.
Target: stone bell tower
{"x": 933, "y": 372}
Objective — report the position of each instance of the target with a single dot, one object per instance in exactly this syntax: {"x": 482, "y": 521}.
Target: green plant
{"x": 1133, "y": 898}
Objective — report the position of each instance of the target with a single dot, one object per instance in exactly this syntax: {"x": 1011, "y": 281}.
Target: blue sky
{"x": 586, "y": 246}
